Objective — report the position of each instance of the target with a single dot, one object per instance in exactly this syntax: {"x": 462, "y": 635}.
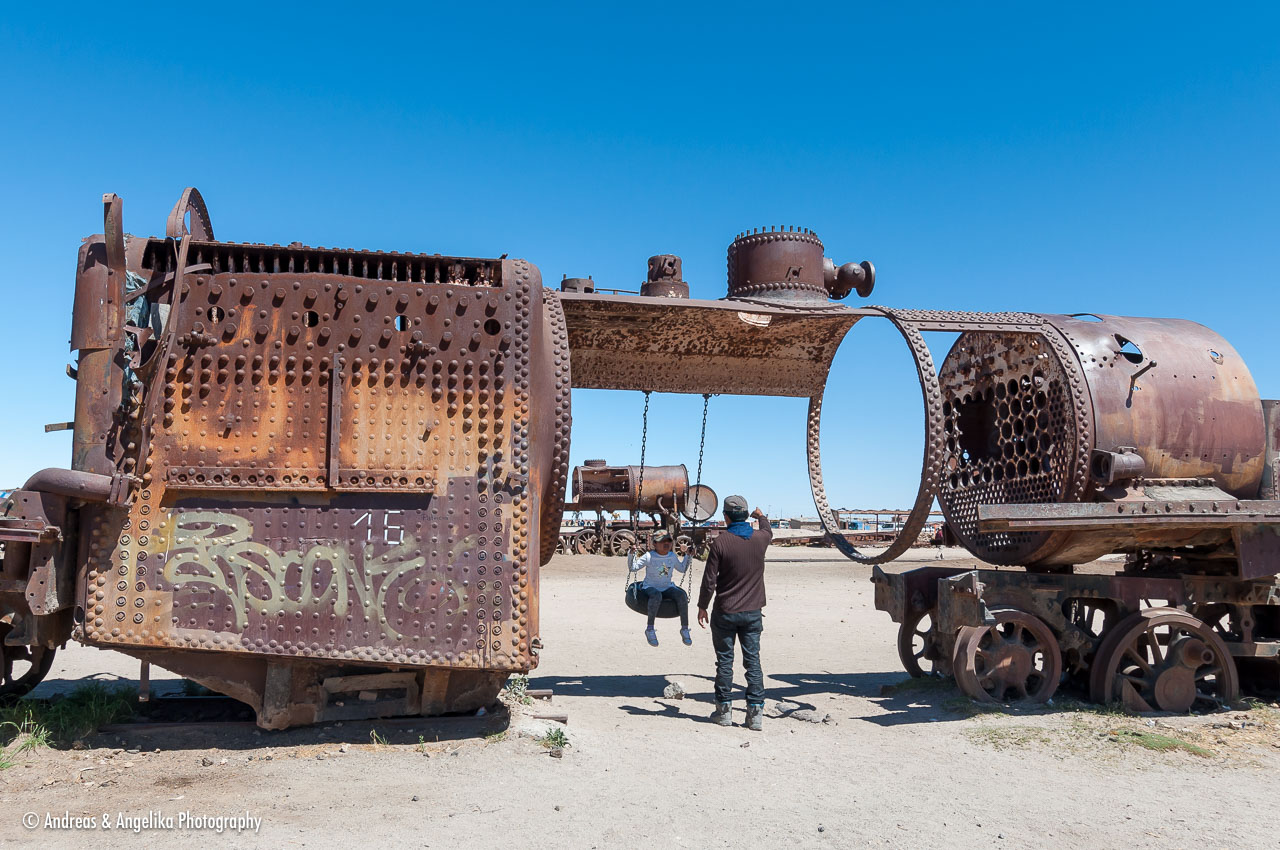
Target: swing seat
{"x": 638, "y": 601}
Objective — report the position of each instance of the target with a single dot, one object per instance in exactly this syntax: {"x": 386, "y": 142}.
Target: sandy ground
{"x": 905, "y": 766}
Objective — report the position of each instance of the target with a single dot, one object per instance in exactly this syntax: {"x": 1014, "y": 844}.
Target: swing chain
{"x": 687, "y": 580}
{"x": 644, "y": 439}
{"x": 702, "y": 442}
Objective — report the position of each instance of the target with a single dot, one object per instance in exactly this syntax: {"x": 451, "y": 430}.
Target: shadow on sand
{"x": 902, "y": 700}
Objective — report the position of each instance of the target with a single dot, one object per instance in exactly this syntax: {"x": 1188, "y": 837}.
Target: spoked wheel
{"x": 21, "y": 667}
{"x": 918, "y": 646}
{"x": 1016, "y": 660}
{"x": 621, "y": 542}
{"x": 1164, "y": 659}
{"x": 684, "y": 545}
{"x": 586, "y": 542}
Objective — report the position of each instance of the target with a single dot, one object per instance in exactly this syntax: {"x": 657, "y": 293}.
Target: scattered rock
{"x": 556, "y": 752}
{"x": 821, "y": 828}
{"x": 319, "y": 756}
{"x": 344, "y": 748}
{"x": 674, "y": 691}
{"x": 130, "y": 764}
{"x": 206, "y": 762}
{"x": 220, "y": 761}
{"x": 414, "y": 798}
{"x": 745, "y": 744}
{"x": 558, "y": 808}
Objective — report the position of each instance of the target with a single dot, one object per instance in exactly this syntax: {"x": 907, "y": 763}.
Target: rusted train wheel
{"x": 918, "y": 646}
{"x": 586, "y": 542}
{"x": 621, "y": 542}
{"x": 21, "y": 668}
{"x": 1016, "y": 660}
{"x": 1163, "y": 659}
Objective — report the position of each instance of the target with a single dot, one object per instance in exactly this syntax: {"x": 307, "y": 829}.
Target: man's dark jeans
{"x": 745, "y": 627}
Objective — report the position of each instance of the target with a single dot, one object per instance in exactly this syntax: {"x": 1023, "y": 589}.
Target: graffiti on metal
{"x": 220, "y": 552}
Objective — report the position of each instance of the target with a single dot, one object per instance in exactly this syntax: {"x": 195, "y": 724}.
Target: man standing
{"x": 735, "y": 576}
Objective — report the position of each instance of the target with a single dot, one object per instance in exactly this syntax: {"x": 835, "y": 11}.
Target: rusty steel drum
{"x": 1031, "y": 419}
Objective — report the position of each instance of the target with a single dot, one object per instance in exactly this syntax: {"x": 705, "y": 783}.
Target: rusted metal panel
{"x": 1258, "y": 546}
{"x": 337, "y": 464}
{"x": 691, "y": 346}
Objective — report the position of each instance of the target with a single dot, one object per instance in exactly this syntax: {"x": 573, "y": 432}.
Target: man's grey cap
{"x": 661, "y": 536}
{"x": 735, "y": 504}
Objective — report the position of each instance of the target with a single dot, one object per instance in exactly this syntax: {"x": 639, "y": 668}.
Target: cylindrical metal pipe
{"x": 72, "y": 483}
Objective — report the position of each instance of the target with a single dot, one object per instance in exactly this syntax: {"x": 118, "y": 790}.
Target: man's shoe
{"x": 685, "y": 636}
{"x": 755, "y": 718}
{"x": 722, "y": 716}
{"x": 651, "y": 636}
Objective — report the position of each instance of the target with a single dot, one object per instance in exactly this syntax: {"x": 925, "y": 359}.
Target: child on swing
{"x": 660, "y": 564}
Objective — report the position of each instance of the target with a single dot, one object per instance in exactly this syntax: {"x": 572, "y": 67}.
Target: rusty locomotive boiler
{"x": 1076, "y": 437}
{"x": 324, "y": 481}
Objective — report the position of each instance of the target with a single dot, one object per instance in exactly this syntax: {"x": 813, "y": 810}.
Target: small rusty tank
{"x": 655, "y": 489}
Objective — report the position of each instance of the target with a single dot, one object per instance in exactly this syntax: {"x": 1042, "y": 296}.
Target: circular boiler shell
{"x": 1023, "y": 416}
{"x": 1176, "y": 392}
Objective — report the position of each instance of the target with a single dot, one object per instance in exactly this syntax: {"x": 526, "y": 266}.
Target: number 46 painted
{"x": 392, "y": 535}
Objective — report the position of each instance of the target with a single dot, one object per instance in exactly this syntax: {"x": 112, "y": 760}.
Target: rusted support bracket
{"x": 27, "y": 530}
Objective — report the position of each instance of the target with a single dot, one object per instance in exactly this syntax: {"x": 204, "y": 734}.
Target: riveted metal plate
{"x": 336, "y": 464}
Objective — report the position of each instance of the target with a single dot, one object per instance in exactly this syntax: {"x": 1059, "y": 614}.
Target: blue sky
{"x": 997, "y": 157}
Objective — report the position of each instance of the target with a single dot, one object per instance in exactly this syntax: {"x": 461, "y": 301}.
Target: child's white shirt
{"x": 659, "y": 569}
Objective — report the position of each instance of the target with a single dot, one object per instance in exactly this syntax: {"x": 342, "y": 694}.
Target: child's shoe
{"x": 686, "y": 637}
{"x": 651, "y": 636}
